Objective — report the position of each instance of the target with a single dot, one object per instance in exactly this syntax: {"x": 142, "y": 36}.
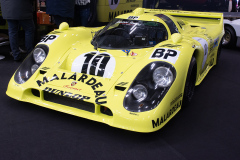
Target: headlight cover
{"x": 30, "y": 64}
{"x": 140, "y": 92}
{"x": 34, "y": 68}
{"x": 163, "y": 76}
{"x": 39, "y": 55}
{"x": 149, "y": 87}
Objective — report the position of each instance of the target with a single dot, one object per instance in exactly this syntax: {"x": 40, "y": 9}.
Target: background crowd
{"x": 21, "y": 13}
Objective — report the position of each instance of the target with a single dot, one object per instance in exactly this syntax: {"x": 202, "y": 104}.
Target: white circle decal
{"x": 95, "y": 63}
{"x": 113, "y": 4}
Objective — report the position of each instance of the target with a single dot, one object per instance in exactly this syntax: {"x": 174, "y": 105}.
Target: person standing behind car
{"x": 61, "y": 10}
{"x": 232, "y": 6}
{"x": 19, "y": 13}
{"x": 82, "y": 12}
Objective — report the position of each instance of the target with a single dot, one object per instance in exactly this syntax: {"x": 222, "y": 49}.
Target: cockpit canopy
{"x": 130, "y": 34}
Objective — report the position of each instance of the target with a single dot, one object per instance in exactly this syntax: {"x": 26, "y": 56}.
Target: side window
{"x": 157, "y": 34}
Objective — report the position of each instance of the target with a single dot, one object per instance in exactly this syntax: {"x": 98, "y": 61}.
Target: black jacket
{"x": 63, "y": 8}
{"x": 17, "y": 9}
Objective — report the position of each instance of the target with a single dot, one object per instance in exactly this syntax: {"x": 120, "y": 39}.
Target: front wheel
{"x": 190, "y": 82}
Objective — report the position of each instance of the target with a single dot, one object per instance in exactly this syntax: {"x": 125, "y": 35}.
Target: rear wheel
{"x": 229, "y": 38}
{"x": 190, "y": 82}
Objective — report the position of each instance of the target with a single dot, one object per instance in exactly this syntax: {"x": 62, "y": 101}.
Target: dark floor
{"x": 209, "y": 129}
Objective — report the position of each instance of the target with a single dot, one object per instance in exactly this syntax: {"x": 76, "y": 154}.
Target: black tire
{"x": 229, "y": 38}
{"x": 190, "y": 82}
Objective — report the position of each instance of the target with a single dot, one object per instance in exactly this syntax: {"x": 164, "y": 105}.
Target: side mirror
{"x": 176, "y": 38}
{"x": 63, "y": 26}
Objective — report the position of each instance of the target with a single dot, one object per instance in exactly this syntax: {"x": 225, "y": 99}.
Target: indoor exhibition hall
{"x": 120, "y": 79}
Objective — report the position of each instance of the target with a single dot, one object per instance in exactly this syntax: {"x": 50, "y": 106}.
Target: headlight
{"x": 149, "y": 87}
{"x": 140, "y": 92}
{"x": 34, "y": 68}
{"x": 163, "y": 76}
{"x": 31, "y": 64}
{"x": 39, "y": 55}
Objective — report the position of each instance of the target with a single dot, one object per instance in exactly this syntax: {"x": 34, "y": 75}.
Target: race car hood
{"x": 86, "y": 69}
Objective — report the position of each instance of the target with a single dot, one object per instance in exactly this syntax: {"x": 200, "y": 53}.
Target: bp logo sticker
{"x": 113, "y": 4}
{"x": 49, "y": 39}
{"x": 95, "y": 63}
{"x": 169, "y": 55}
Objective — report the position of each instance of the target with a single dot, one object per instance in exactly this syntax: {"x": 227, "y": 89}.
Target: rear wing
{"x": 212, "y": 20}
{"x": 192, "y": 17}
{"x": 188, "y": 14}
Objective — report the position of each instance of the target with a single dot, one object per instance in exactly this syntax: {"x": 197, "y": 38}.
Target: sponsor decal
{"x": 45, "y": 68}
{"x": 66, "y": 94}
{"x": 203, "y": 74}
{"x": 90, "y": 81}
{"x": 132, "y": 113}
{"x": 133, "y": 17}
{"x": 158, "y": 122}
{"x": 70, "y": 87}
{"x": 95, "y": 63}
{"x": 170, "y": 45}
{"x": 83, "y": 78}
{"x": 211, "y": 42}
{"x": 215, "y": 43}
{"x": 126, "y": 51}
{"x": 134, "y": 54}
{"x": 166, "y": 54}
{"x": 49, "y": 39}
{"x": 204, "y": 45}
{"x": 113, "y": 4}
{"x": 73, "y": 83}
{"x": 122, "y": 83}
{"x": 112, "y": 15}
{"x": 176, "y": 99}
{"x": 181, "y": 23}
{"x": 165, "y": 10}
{"x": 131, "y": 23}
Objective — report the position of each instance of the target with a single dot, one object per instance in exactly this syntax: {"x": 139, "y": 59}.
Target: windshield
{"x": 123, "y": 34}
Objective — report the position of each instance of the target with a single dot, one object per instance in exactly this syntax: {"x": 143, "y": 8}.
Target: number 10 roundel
{"x": 95, "y": 63}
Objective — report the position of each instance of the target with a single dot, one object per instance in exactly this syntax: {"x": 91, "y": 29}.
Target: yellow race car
{"x": 135, "y": 73}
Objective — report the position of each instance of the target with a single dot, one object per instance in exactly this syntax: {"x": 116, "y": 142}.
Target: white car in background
{"x": 232, "y": 33}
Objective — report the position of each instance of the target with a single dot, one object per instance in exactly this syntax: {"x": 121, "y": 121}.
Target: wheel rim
{"x": 227, "y": 37}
